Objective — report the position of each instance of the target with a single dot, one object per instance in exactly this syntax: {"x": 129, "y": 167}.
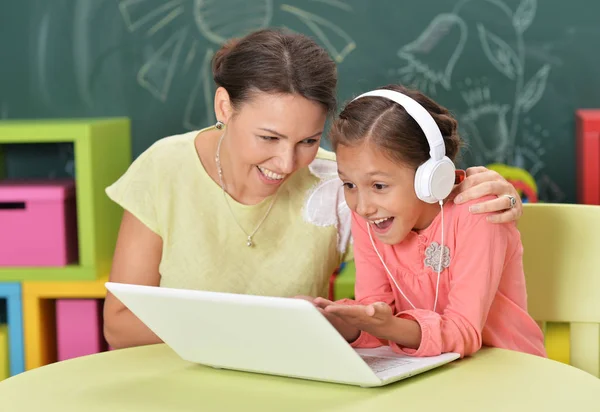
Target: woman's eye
{"x": 269, "y": 138}
{"x": 349, "y": 185}
{"x": 309, "y": 142}
{"x": 379, "y": 186}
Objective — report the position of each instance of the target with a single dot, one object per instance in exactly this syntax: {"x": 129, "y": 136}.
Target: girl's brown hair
{"x": 276, "y": 61}
{"x": 388, "y": 125}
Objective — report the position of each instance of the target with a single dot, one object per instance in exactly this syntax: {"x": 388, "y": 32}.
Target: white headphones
{"x": 435, "y": 178}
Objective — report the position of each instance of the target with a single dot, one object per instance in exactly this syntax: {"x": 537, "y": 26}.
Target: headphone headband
{"x": 437, "y": 149}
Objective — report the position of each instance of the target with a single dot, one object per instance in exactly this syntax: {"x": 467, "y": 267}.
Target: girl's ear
{"x": 223, "y": 107}
{"x": 459, "y": 176}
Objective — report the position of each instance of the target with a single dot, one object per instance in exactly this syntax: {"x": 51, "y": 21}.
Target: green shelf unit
{"x": 102, "y": 153}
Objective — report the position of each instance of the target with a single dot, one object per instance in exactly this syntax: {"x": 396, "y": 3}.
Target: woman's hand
{"x": 481, "y": 182}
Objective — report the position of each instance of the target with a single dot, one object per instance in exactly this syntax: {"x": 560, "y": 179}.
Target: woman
{"x": 251, "y": 205}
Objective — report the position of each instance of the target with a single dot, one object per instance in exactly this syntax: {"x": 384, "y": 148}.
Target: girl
{"x": 431, "y": 277}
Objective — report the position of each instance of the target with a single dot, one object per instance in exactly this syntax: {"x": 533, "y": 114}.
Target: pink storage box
{"x": 79, "y": 328}
{"x": 38, "y": 223}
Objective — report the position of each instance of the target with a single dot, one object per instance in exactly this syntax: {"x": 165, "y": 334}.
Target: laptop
{"x": 268, "y": 335}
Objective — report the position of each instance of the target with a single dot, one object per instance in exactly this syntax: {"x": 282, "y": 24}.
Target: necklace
{"x": 249, "y": 241}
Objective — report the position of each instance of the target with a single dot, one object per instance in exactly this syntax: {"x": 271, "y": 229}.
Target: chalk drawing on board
{"x": 190, "y": 56}
{"x": 42, "y": 57}
{"x": 219, "y": 20}
{"x": 163, "y": 22}
{"x": 136, "y": 13}
{"x": 326, "y": 31}
{"x": 83, "y": 12}
{"x": 499, "y": 53}
{"x": 524, "y": 15}
{"x": 477, "y": 94}
{"x": 509, "y": 59}
{"x": 529, "y": 155}
{"x": 491, "y": 113}
{"x": 482, "y": 118}
{"x": 483, "y": 121}
{"x": 534, "y": 89}
{"x": 215, "y": 20}
{"x": 537, "y": 140}
{"x": 494, "y": 116}
{"x": 528, "y": 159}
{"x": 201, "y": 96}
{"x": 336, "y": 3}
{"x": 446, "y": 34}
{"x": 156, "y": 75}
{"x": 193, "y": 25}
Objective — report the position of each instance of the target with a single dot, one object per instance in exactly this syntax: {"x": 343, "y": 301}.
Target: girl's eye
{"x": 379, "y": 186}
{"x": 269, "y": 138}
{"x": 349, "y": 185}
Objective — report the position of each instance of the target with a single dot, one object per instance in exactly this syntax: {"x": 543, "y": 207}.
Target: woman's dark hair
{"x": 387, "y": 125}
{"x": 276, "y": 61}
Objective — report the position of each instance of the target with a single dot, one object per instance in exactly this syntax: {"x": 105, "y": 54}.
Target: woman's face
{"x": 269, "y": 137}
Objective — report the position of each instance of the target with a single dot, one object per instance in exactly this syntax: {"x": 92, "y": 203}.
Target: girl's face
{"x": 382, "y": 192}
{"x": 270, "y": 137}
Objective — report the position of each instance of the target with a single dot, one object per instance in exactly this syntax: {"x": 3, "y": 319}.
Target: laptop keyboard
{"x": 379, "y": 363}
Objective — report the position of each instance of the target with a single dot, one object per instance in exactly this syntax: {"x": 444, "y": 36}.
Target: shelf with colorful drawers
{"x": 11, "y": 330}
{"x": 58, "y": 239}
{"x": 102, "y": 152}
{"x": 62, "y": 320}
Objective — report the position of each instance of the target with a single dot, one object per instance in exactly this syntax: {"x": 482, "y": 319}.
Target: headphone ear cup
{"x": 443, "y": 178}
{"x": 434, "y": 180}
{"x": 422, "y": 178}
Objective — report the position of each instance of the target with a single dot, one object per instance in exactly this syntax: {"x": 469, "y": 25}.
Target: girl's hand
{"x": 376, "y": 318}
{"x": 349, "y": 332}
{"x": 481, "y": 182}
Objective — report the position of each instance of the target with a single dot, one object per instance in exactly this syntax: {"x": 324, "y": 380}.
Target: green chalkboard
{"x": 513, "y": 71}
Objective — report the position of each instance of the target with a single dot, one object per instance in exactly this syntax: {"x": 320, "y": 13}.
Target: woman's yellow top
{"x": 302, "y": 241}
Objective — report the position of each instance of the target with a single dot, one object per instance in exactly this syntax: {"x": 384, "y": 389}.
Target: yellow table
{"x": 154, "y": 378}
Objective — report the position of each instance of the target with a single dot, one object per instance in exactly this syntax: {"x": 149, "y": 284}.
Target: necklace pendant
{"x": 249, "y": 242}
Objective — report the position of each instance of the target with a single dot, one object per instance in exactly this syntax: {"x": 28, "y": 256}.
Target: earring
{"x": 219, "y": 125}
